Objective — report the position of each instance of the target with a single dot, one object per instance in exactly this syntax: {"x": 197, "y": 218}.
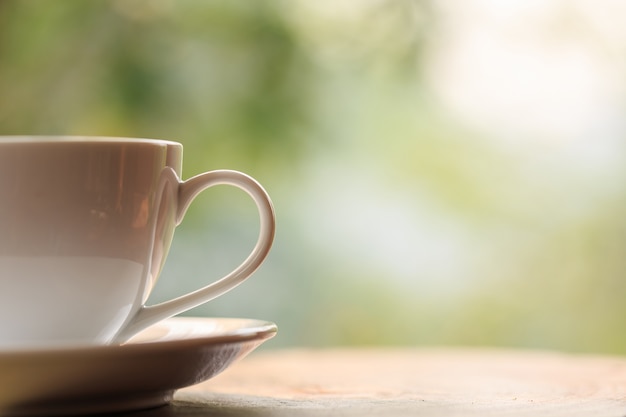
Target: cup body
{"x": 85, "y": 226}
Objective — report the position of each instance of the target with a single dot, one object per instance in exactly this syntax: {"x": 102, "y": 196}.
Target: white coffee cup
{"x": 85, "y": 226}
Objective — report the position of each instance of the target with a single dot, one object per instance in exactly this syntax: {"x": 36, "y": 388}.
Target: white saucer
{"x": 142, "y": 373}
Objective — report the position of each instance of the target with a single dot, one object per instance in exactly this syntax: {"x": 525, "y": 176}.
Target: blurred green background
{"x": 443, "y": 172}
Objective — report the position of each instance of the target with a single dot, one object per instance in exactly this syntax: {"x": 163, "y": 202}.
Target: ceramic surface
{"x": 142, "y": 373}
{"x": 85, "y": 226}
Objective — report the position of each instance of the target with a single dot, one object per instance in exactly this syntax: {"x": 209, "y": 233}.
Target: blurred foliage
{"x": 398, "y": 223}
{"x": 229, "y": 78}
{"x": 224, "y": 77}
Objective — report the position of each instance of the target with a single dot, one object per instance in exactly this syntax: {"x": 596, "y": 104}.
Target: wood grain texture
{"x": 411, "y": 382}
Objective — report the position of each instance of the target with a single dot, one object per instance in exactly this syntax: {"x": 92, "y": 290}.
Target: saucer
{"x": 143, "y": 373}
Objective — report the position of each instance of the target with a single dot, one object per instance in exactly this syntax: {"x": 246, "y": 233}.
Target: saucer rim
{"x": 157, "y": 366}
{"x": 253, "y": 330}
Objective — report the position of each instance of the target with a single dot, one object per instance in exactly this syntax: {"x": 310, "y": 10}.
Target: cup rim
{"x": 58, "y": 139}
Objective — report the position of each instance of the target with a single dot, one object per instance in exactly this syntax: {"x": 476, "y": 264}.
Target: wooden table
{"x": 409, "y": 382}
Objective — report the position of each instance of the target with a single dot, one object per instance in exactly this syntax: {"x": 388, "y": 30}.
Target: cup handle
{"x": 187, "y": 191}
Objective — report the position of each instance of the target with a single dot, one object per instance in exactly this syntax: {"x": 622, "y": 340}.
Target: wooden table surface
{"x": 409, "y": 382}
